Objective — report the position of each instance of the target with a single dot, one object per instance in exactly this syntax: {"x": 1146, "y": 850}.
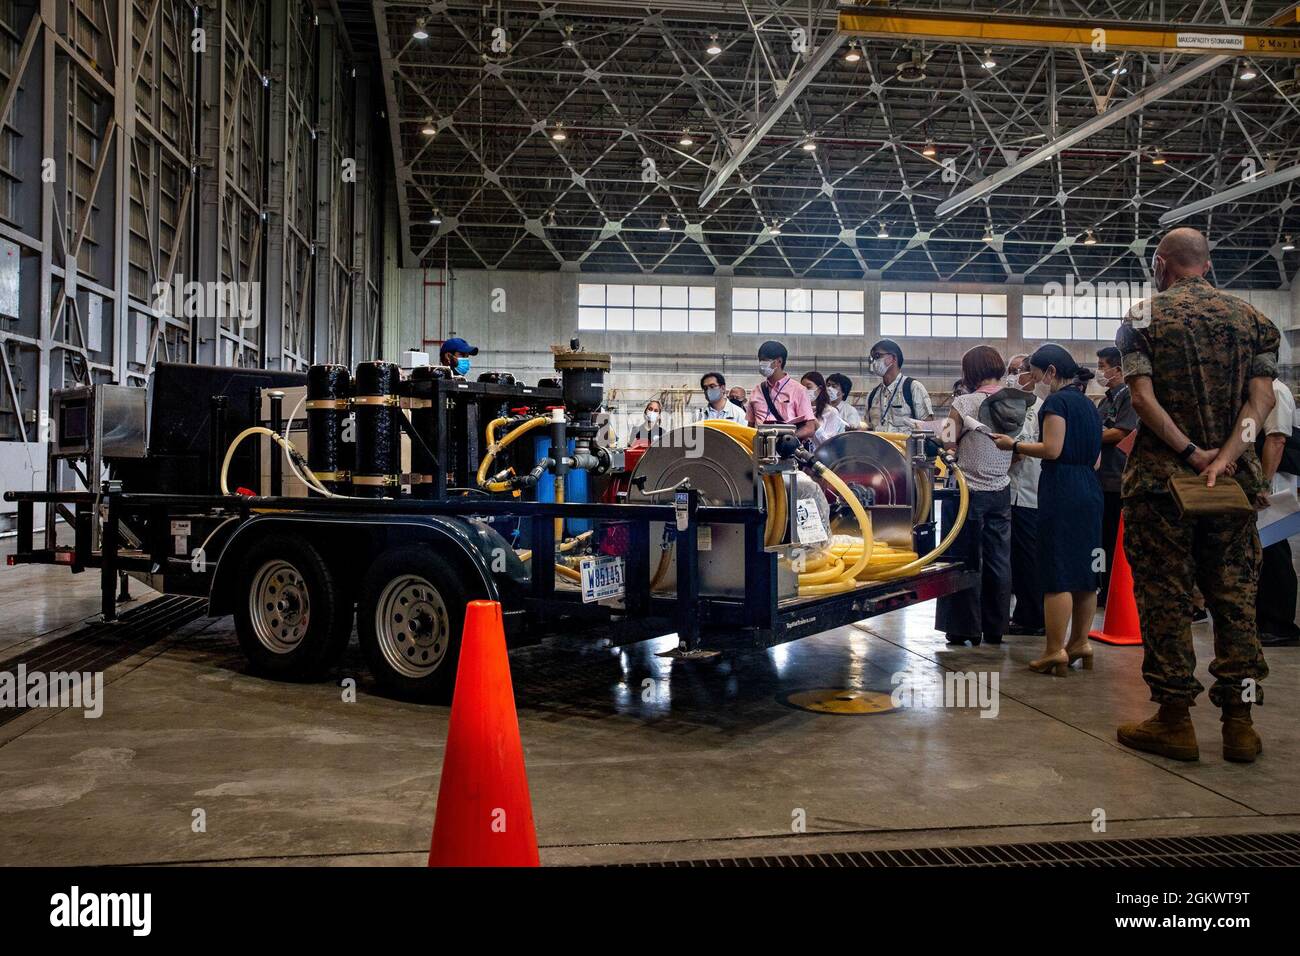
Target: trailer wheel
{"x": 292, "y": 618}
{"x": 409, "y": 620}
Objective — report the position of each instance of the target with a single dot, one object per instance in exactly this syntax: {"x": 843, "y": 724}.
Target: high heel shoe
{"x": 1083, "y": 654}
{"x": 1058, "y": 665}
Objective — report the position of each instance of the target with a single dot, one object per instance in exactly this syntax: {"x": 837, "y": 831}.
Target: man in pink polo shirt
{"x": 779, "y": 398}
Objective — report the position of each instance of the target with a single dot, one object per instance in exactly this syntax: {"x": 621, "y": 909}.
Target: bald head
{"x": 1184, "y": 248}
{"x": 1182, "y": 252}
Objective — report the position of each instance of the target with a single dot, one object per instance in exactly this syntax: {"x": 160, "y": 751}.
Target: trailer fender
{"x": 353, "y": 541}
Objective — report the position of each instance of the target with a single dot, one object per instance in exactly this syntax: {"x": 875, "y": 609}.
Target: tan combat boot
{"x": 1240, "y": 741}
{"x": 1169, "y": 733}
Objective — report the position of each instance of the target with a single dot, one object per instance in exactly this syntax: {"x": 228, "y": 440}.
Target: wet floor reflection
{"x": 585, "y": 678}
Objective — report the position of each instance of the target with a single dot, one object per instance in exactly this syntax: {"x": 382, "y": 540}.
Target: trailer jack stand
{"x": 123, "y": 588}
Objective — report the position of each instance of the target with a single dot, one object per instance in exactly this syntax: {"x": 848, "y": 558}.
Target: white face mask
{"x": 1011, "y": 381}
{"x": 832, "y": 393}
{"x": 765, "y": 369}
{"x": 1042, "y": 389}
{"x": 879, "y": 367}
{"x": 813, "y": 392}
{"x": 651, "y": 417}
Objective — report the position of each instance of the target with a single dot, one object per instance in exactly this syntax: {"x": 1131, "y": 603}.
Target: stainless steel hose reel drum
{"x": 884, "y": 475}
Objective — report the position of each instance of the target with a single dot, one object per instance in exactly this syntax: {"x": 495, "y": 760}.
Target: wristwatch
{"x": 1187, "y": 453}
{"x": 1015, "y": 448}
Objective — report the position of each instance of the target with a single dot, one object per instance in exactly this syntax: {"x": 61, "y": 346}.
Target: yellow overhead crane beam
{"x": 996, "y": 29}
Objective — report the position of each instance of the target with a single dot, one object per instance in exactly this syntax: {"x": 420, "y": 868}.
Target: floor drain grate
{"x": 1241, "y": 849}
{"x": 97, "y": 647}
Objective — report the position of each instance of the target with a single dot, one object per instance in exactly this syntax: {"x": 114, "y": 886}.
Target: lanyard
{"x": 888, "y": 401}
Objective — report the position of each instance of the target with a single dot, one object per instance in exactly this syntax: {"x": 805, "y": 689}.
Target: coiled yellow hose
{"x": 866, "y": 559}
{"x": 819, "y": 580}
{"x": 962, "y": 507}
{"x": 813, "y": 585}
{"x": 773, "y": 486}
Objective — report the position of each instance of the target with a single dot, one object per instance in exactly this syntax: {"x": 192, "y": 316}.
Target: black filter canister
{"x": 329, "y": 455}
{"x": 423, "y": 422}
{"x": 378, "y": 446}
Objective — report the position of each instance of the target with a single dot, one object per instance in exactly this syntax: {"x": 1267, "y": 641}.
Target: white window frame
{"x": 906, "y": 313}
{"x": 646, "y": 307}
{"x": 1063, "y": 318}
{"x": 794, "y": 310}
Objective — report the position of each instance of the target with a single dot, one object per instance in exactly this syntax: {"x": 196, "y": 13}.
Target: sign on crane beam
{"x": 1269, "y": 40}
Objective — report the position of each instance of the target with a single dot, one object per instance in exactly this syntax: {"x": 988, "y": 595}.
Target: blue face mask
{"x": 462, "y": 366}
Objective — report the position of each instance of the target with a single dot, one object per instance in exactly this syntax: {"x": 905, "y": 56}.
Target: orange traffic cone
{"x": 1120, "y": 625}
{"x": 484, "y": 815}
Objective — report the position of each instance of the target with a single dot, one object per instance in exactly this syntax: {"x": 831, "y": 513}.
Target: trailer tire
{"x": 410, "y": 616}
{"x": 292, "y": 617}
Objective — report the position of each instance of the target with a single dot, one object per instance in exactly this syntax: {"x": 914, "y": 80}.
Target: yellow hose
{"x": 773, "y": 486}
{"x": 574, "y": 542}
{"x": 819, "y": 561}
{"x": 832, "y": 572}
{"x": 309, "y": 479}
{"x": 495, "y": 447}
{"x": 559, "y": 500}
{"x": 818, "y": 580}
{"x": 813, "y": 585}
{"x": 962, "y": 507}
{"x": 924, "y": 499}
{"x": 870, "y": 561}
{"x": 661, "y": 571}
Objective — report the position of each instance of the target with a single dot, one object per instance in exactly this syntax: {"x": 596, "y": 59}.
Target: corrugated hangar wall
{"x": 180, "y": 182}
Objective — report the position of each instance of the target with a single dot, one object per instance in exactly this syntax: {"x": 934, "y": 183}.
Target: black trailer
{"x": 297, "y": 572}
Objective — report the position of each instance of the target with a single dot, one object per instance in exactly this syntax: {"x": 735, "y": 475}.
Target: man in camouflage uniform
{"x": 1200, "y": 365}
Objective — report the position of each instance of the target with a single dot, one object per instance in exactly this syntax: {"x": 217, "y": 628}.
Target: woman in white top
{"x": 838, "y": 389}
{"x": 829, "y": 423}
{"x": 980, "y": 613}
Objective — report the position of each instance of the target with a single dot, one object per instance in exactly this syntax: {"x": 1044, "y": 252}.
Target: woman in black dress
{"x": 1069, "y": 505}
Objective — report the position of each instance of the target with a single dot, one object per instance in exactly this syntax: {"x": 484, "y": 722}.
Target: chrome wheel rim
{"x": 279, "y": 606}
{"x": 412, "y": 626}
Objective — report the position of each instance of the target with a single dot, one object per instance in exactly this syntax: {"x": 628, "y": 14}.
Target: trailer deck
{"x": 165, "y": 524}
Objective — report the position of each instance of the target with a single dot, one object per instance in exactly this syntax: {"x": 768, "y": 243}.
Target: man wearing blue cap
{"x": 455, "y": 353}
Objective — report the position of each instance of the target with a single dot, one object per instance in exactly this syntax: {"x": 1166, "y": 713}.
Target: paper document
{"x": 1281, "y": 519}
{"x": 930, "y": 427}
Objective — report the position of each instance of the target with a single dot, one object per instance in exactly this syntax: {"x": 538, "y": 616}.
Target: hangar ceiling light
{"x": 1043, "y": 140}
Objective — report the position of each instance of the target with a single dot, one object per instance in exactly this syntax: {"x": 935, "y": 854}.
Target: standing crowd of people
{"x": 1190, "y": 389}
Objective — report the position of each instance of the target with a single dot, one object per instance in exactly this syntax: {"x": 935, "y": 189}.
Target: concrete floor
{"x": 714, "y": 763}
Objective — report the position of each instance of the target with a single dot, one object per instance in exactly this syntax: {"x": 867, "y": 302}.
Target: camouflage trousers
{"x": 1170, "y": 555}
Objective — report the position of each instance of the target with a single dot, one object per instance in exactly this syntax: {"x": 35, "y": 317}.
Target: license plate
{"x": 602, "y": 578}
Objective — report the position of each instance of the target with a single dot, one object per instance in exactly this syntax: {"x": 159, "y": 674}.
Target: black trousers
{"x": 1275, "y": 606}
{"x": 1110, "y": 510}
{"x": 1028, "y": 612}
{"x": 984, "y": 544}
